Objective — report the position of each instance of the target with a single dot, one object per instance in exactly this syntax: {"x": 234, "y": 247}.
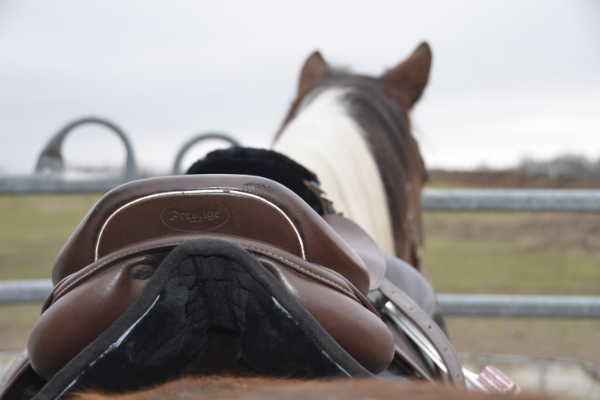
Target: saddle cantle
{"x": 108, "y": 266}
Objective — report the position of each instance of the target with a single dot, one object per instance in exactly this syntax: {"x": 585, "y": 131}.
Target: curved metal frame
{"x": 199, "y": 138}
{"x": 51, "y": 156}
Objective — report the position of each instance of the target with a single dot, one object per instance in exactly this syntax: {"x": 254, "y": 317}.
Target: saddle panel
{"x": 78, "y": 317}
{"x": 370, "y": 342}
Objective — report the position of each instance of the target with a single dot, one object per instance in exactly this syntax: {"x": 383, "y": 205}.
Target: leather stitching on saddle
{"x": 305, "y": 270}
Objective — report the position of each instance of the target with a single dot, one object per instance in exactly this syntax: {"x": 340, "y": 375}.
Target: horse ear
{"x": 405, "y": 82}
{"x": 312, "y": 70}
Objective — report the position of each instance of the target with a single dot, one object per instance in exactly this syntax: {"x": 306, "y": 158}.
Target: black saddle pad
{"x": 211, "y": 307}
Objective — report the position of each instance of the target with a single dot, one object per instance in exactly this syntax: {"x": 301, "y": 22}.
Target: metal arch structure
{"x": 199, "y": 138}
{"x": 51, "y": 157}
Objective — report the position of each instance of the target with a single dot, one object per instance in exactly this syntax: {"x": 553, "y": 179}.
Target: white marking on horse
{"x": 324, "y": 138}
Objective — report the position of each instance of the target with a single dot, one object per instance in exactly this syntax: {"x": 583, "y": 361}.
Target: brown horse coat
{"x": 215, "y": 387}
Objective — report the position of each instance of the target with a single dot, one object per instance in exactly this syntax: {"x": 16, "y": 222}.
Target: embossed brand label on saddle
{"x": 195, "y": 214}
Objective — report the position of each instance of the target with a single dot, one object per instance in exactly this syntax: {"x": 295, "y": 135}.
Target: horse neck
{"x": 325, "y": 138}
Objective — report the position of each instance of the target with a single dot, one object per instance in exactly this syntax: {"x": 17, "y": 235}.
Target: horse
{"x": 354, "y": 132}
{"x": 345, "y": 145}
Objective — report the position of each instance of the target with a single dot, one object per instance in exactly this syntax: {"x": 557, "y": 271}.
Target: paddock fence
{"x": 33, "y": 291}
{"x": 452, "y": 304}
{"x": 50, "y": 177}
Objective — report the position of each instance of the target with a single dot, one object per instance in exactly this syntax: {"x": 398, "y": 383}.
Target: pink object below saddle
{"x": 494, "y": 381}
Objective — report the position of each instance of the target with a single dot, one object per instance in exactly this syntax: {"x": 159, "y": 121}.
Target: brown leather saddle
{"x": 205, "y": 274}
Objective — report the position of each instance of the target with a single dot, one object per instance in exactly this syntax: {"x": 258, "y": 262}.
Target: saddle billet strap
{"x": 428, "y": 327}
{"x": 407, "y": 354}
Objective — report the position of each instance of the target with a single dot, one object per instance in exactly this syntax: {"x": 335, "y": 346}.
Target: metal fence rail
{"x": 53, "y": 182}
{"x": 25, "y": 291}
{"x": 520, "y": 305}
{"x": 31, "y": 291}
{"x": 542, "y": 200}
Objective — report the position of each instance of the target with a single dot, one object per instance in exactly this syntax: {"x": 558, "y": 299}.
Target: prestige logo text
{"x": 194, "y": 217}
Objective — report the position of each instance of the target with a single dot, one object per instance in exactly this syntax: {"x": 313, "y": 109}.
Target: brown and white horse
{"x": 353, "y": 131}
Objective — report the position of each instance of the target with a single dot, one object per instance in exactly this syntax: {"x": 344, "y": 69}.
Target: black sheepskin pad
{"x": 259, "y": 162}
{"x": 210, "y": 308}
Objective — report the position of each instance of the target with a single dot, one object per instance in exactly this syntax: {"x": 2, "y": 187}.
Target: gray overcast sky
{"x": 510, "y": 78}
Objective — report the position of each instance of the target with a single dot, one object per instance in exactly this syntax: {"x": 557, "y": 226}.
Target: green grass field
{"x": 479, "y": 266}
{"x": 465, "y": 253}
{"x": 34, "y": 228}
{"x": 513, "y": 253}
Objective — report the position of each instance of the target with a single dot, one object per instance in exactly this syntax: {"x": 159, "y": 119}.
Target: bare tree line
{"x": 567, "y": 165}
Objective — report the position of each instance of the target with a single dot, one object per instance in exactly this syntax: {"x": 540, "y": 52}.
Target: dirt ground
{"x": 547, "y": 338}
